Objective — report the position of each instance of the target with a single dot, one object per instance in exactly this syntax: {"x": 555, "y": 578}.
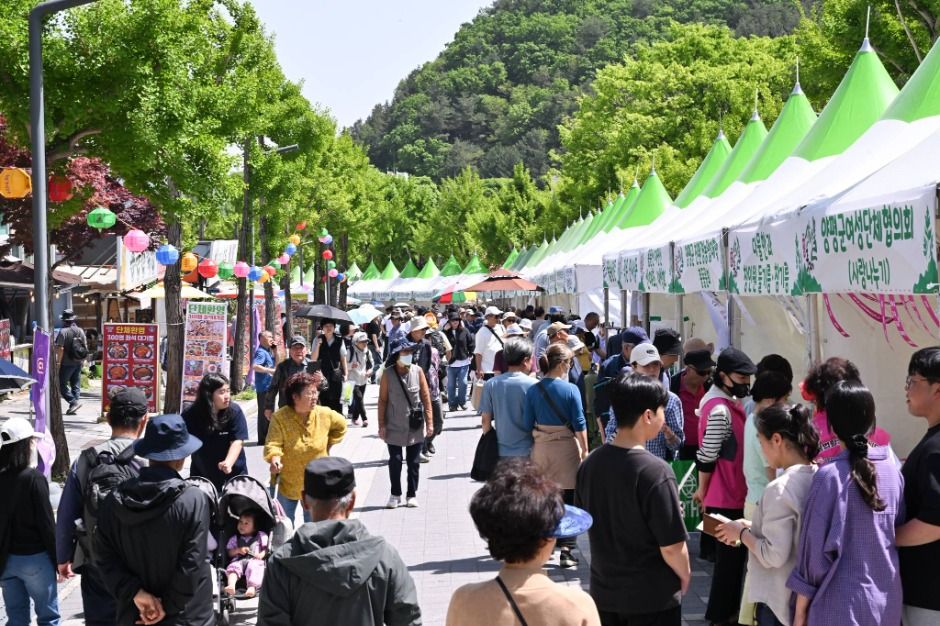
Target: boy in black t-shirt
{"x": 919, "y": 538}
{"x": 640, "y": 563}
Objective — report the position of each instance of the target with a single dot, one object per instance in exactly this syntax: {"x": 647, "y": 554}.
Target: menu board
{"x": 204, "y": 345}
{"x": 131, "y": 359}
{"x": 5, "y": 351}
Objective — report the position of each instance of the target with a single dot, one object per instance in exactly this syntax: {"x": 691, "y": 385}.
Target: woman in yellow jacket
{"x": 300, "y": 432}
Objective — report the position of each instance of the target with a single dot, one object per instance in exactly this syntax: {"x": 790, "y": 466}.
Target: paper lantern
{"x": 301, "y": 225}
{"x": 208, "y": 268}
{"x": 327, "y": 254}
{"x": 270, "y": 271}
{"x": 136, "y": 240}
{"x": 240, "y": 269}
{"x": 60, "y": 189}
{"x": 290, "y": 249}
{"x": 188, "y": 263}
{"x": 334, "y": 273}
{"x": 101, "y": 218}
{"x": 254, "y": 273}
{"x": 275, "y": 264}
{"x": 294, "y": 239}
{"x": 284, "y": 259}
{"x": 167, "y": 254}
{"x": 328, "y": 240}
{"x": 341, "y": 277}
{"x": 330, "y": 264}
{"x": 324, "y": 232}
{"x": 325, "y": 278}
{"x": 226, "y": 271}
{"x": 265, "y": 277}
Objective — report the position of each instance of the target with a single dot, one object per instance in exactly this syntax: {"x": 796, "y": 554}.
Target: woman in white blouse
{"x": 789, "y": 441}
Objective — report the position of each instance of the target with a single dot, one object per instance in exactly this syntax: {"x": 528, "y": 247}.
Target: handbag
{"x": 486, "y": 456}
{"x": 415, "y": 413}
{"x": 476, "y": 394}
{"x": 554, "y": 407}
{"x": 512, "y": 601}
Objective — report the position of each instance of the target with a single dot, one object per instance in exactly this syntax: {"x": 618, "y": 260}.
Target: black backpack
{"x": 105, "y": 472}
{"x": 75, "y": 347}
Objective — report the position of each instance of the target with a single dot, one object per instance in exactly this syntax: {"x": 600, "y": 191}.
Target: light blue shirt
{"x": 755, "y": 465}
{"x": 504, "y": 398}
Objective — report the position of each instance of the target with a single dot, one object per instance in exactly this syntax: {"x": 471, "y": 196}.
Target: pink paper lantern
{"x": 283, "y": 259}
{"x": 334, "y": 273}
{"x": 136, "y": 240}
{"x": 241, "y": 269}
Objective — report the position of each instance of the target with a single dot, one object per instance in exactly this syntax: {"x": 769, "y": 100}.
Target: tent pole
{"x": 734, "y": 323}
{"x": 647, "y": 301}
{"x": 624, "y": 309}
{"x": 607, "y": 306}
{"x": 813, "y": 339}
{"x": 680, "y": 324}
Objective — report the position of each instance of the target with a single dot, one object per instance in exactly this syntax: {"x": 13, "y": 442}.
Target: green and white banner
{"x": 698, "y": 266}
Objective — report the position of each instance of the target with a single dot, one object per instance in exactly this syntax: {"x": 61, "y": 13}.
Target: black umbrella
{"x": 323, "y": 312}
{"x": 12, "y": 377}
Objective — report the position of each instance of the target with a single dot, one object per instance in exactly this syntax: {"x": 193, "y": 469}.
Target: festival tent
{"x": 451, "y": 267}
{"x": 353, "y": 273}
{"x": 425, "y": 283}
{"x": 511, "y": 258}
{"x": 706, "y": 172}
{"x": 372, "y": 272}
{"x": 377, "y": 288}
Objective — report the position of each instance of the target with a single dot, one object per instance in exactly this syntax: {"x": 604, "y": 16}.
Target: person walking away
{"x": 458, "y": 366}
{"x": 502, "y": 403}
{"x": 360, "y": 371}
{"x": 669, "y": 344}
{"x": 76, "y": 519}
{"x": 263, "y": 365}
{"x": 330, "y": 351}
{"x": 27, "y": 530}
{"x": 789, "y": 440}
{"x": 721, "y": 485}
{"x": 918, "y": 538}
{"x": 373, "y": 330}
{"x": 690, "y": 385}
{"x": 428, "y": 359}
{"x": 615, "y": 364}
{"x": 555, "y": 316}
{"x": 520, "y": 515}
{"x": 405, "y": 418}
{"x": 554, "y": 416}
{"x": 152, "y": 536}
{"x": 295, "y": 363}
{"x": 487, "y": 342}
{"x": 847, "y": 540}
{"x": 71, "y": 350}
{"x": 499, "y": 362}
{"x": 221, "y": 426}
{"x": 300, "y": 432}
{"x": 640, "y": 563}
{"x": 332, "y": 569}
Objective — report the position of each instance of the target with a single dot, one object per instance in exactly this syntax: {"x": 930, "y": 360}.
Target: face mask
{"x": 740, "y": 390}
{"x": 405, "y": 359}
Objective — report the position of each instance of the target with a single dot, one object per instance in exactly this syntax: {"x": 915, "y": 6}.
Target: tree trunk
{"x": 242, "y": 310}
{"x": 173, "y": 284}
{"x": 270, "y": 323}
{"x": 344, "y": 263}
{"x": 319, "y": 295}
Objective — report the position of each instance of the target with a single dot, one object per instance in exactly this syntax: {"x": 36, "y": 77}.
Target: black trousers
{"x": 357, "y": 408}
{"x": 437, "y": 417}
{"x": 332, "y": 397}
{"x": 99, "y": 605}
{"x": 668, "y": 617}
{"x": 571, "y": 542}
{"x": 395, "y": 458}
{"x": 724, "y": 599}
{"x": 263, "y": 422}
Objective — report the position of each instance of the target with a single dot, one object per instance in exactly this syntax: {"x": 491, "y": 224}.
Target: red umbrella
{"x": 504, "y": 280}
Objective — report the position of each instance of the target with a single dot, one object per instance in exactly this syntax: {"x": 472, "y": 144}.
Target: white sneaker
{"x": 393, "y": 502}
{"x": 411, "y": 503}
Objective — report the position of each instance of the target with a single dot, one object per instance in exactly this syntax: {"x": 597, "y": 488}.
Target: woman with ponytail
{"x": 847, "y": 564}
{"x": 789, "y": 442}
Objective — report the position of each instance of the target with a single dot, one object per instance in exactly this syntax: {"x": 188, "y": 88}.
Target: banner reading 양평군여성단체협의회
{"x": 890, "y": 248}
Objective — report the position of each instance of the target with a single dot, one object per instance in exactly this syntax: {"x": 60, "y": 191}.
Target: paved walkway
{"x": 437, "y": 540}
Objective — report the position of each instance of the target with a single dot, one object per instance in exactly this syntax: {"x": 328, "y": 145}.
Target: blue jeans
{"x": 70, "y": 381}
{"x": 290, "y": 508}
{"x": 30, "y": 577}
{"x": 457, "y": 386}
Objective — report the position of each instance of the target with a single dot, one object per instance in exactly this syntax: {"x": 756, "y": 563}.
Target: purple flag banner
{"x": 37, "y": 394}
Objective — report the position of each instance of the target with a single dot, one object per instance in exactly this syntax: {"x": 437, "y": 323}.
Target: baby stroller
{"x": 241, "y": 494}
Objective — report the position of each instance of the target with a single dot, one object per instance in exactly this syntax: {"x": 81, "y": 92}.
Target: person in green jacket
{"x": 333, "y": 571}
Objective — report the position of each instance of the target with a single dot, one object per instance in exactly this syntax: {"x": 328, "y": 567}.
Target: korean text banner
{"x": 131, "y": 359}
{"x": 204, "y": 345}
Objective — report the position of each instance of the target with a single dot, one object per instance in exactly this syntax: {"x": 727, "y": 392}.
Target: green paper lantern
{"x": 330, "y": 264}
{"x": 101, "y": 218}
{"x": 226, "y": 271}
{"x": 275, "y": 264}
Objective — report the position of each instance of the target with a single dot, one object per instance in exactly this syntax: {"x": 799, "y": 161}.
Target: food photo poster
{"x": 204, "y": 347}
{"x": 131, "y": 353}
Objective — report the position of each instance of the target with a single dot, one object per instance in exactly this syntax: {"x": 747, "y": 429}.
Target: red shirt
{"x": 690, "y": 402}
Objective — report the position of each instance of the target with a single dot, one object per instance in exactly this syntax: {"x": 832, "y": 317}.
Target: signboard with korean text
{"x": 762, "y": 258}
{"x": 631, "y": 271}
{"x": 697, "y": 265}
{"x": 135, "y": 268}
{"x": 6, "y": 351}
{"x": 205, "y": 335}
{"x": 657, "y": 269}
{"x": 131, "y": 359}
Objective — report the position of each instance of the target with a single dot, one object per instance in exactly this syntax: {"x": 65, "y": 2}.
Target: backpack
{"x": 75, "y": 347}
{"x": 105, "y": 472}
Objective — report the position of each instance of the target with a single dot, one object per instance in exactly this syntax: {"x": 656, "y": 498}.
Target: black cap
{"x": 328, "y": 478}
{"x": 732, "y": 360}
{"x": 297, "y": 340}
{"x": 129, "y": 399}
{"x": 68, "y": 315}
{"x": 699, "y": 359}
{"x": 453, "y": 316}
{"x": 667, "y": 341}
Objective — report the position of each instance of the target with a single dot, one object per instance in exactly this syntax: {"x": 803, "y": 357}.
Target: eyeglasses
{"x": 910, "y": 381}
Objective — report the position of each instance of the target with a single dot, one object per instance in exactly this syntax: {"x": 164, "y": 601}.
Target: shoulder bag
{"x": 494, "y": 333}
{"x": 554, "y": 407}
{"x": 512, "y": 601}
{"x": 486, "y": 456}
{"x": 415, "y": 413}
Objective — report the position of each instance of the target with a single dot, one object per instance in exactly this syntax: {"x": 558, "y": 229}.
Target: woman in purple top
{"x": 847, "y": 564}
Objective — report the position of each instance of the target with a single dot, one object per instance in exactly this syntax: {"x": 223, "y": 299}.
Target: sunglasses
{"x": 702, "y": 373}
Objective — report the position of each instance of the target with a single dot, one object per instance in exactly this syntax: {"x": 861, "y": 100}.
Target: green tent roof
{"x": 372, "y": 272}
{"x": 706, "y": 171}
{"x": 389, "y": 272}
{"x": 794, "y": 121}
{"x": 583, "y": 228}
{"x": 622, "y": 212}
{"x": 570, "y": 234}
{"x": 353, "y": 272}
{"x": 511, "y": 258}
{"x": 519, "y": 257}
{"x": 451, "y": 267}
{"x": 410, "y": 270}
{"x": 524, "y": 257}
{"x": 650, "y": 204}
{"x": 920, "y": 97}
{"x": 429, "y": 270}
{"x": 538, "y": 255}
{"x": 474, "y": 266}
{"x": 744, "y": 150}
{"x": 600, "y": 220}
{"x": 863, "y": 95}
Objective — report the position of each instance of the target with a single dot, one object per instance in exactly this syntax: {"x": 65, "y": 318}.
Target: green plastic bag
{"x": 687, "y": 479}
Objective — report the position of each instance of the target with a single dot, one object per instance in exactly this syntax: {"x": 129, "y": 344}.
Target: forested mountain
{"x": 496, "y": 95}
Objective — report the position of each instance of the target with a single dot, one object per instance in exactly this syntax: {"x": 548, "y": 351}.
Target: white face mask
{"x": 405, "y": 359}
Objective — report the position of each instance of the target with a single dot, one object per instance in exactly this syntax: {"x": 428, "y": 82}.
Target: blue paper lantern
{"x": 167, "y": 254}
{"x": 341, "y": 277}
{"x": 254, "y": 273}
{"x": 290, "y": 249}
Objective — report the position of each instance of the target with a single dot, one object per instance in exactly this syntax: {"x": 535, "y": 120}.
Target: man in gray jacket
{"x": 333, "y": 571}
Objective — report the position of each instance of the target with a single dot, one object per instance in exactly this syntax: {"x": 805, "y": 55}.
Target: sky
{"x": 351, "y": 54}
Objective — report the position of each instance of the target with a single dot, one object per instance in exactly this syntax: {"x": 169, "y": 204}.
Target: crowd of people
{"x": 810, "y": 518}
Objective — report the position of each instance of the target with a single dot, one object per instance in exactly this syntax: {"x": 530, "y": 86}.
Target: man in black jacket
{"x": 152, "y": 535}
{"x": 461, "y": 353}
{"x": 295, "y": 362}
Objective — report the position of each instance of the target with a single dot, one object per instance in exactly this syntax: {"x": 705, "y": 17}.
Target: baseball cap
{"x": 574, "y": 343}
{"x": 634, "y": 335}
{"x": 298, "y": 340}
{"x": 574, "y": 522}
{"x": 699, "y": 359}
{"x": 667, "y": 341}
{"x": 166, "y": 439}
{"x": 360, "y": 337}
{"x": 329, "y": 478}
{"x": 509, "y": 315}
{"x": 525, "y": 323}
{"x": 129, "y": 399}
{"x": 554, "y": 327}
{"x": 644, "y": 354}
{"x": 555, "y": 310}
{"x": 492, "y": 310}
{"x": 732, "y": 360}
{"x": 17, "y": 429}
{"x": 514, "y": 330}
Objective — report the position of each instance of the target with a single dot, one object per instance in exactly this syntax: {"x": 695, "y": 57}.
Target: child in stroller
{"x": 247, "y": 550}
